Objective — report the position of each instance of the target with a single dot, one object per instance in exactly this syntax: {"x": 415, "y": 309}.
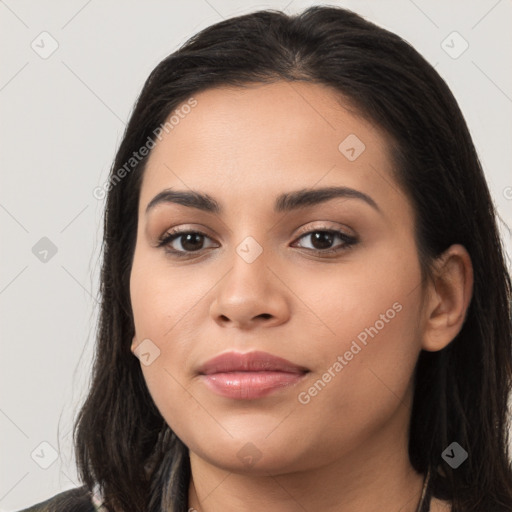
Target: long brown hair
{"x": 123, "y": 443}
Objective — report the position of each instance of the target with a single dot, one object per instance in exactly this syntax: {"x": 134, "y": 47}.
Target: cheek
{"x": 367, "y": 340}
{"x": 364, "y": 381}
{"x": 166, "y": 304}
{"x": 373, "y": 296}
{"x": 163, "y": 298}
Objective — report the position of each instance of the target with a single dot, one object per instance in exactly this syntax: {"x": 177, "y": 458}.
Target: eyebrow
{"x": 285, "y": 202}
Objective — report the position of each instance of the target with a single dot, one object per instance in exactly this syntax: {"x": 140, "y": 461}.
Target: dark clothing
{"x": 73, "y": 500}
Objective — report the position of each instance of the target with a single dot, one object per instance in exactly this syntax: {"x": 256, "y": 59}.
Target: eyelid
{"x": 307, "y": 228}
{"x": 326, "y": 226}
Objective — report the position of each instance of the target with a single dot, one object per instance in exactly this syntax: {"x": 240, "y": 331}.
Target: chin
{"x": 257, "y": 458}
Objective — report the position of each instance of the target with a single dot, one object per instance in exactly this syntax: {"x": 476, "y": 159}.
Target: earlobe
{"x": 449, "y": 298}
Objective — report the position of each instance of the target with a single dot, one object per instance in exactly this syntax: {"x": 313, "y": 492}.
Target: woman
{"x": 305, "y": 304}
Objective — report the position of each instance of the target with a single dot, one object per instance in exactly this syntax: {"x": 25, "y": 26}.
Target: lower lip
{"x": 249, "y": 385}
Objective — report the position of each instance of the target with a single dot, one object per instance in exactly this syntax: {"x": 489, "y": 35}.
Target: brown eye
{"x": 186, "y": 241}
{"x": 322, "y": 240}
{"x": 183, "y": 243}
{"x": 191, "y": 241}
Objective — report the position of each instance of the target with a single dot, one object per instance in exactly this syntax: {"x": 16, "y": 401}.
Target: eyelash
{"x": 167, "y": 238}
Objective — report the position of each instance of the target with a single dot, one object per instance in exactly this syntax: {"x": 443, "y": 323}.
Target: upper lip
{"x": 249, "y": 362}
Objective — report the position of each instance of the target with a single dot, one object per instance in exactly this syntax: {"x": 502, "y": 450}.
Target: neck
{"x": 376, "y": 471}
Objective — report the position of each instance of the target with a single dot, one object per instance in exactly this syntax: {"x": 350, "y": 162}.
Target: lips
{"x": 249, "y": 376}
{"x": 249, "y": 362}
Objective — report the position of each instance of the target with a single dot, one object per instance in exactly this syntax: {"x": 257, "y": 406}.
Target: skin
{"x": 346, "y": 449}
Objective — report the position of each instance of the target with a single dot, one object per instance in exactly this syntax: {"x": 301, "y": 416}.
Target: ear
{"x": 134, "y": 342}
{"x": 449, "y": 296}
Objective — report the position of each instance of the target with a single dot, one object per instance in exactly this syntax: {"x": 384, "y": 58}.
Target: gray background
{"x": 62, "y": 118}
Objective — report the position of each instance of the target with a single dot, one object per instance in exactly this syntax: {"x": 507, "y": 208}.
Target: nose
{"x": 250, "y": 295}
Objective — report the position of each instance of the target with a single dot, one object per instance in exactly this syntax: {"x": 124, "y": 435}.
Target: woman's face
{"x": 261, "y": 278}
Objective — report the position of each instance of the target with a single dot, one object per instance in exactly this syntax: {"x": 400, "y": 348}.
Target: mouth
{"x": 248, "y": 376}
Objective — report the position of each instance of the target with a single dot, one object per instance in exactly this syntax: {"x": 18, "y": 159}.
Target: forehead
{"x": 253, "y": 142}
